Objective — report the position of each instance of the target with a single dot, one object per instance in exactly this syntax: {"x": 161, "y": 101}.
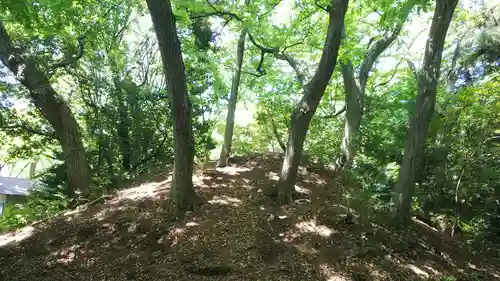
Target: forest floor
{"x": 237, "y": 234}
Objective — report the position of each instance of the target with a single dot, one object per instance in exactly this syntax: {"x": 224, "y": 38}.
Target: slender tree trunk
{"x": 182, "y": 193}
{"x": 355, "y": 91}
{"x": 233, "y": 99}
{"x": 313, "y": 92}
{"x": 124, "y": 135}
{"x": 53, "y": 108}
{"x": 277, "y": 135}
{"x": 354, "y": 114}
{"x": 426, "y": 100}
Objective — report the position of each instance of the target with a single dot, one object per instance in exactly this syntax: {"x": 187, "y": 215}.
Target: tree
{"x": 182, "y": 193}
{"x": 313, "y": 91}
{"x": 233, "y": 98}
{"x": 52, "y": 106}
{"x": 355, "y": 88}
{"x": 427, "y": 78}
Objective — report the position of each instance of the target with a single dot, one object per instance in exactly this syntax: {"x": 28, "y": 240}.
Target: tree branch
{"x": 326, "y": 9}
{"x": 392, "y": 76}
{"x": 216, "y": 13}
{"x": 336, "y": 114}
{"x": 272, "y": 8}
{"x": 71, "y": 59}
{"x": 253, "y": 74}
{"x": 30, "y": 130}
{"x": 413, "y": 69}
{"x": 152, "y": 155}
{"x": 281, "y": 56}
{"x": 277, "y": 135}
{"x": 264, "y": 50}
{"x": 373, "y": 54}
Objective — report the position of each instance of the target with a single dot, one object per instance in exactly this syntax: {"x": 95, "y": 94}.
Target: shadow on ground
{"x": 237, "y": 234}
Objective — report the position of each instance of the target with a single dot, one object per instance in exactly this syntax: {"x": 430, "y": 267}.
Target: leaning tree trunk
{"x": 233, "y": 98}
{"x": 53, "y": 108}
{"x": 313, "y": 92}
{"x": 354, "y": 114}
{"x": 426, "y": 99}
{"x": 355, "y": 91}
{"x": 182, "y": 192}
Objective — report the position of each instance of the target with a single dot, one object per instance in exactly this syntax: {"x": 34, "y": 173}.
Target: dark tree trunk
{"x": 182, "y": 193}
{"x": 428, "y": 78}
{"x": 53, "y": 108}
{"x": 233, "y": 99}
{"x": 313, "y": 92}
{"x": 124, "y": 136}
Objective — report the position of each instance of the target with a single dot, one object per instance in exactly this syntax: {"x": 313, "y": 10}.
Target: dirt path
{"x": 238, "y": 234}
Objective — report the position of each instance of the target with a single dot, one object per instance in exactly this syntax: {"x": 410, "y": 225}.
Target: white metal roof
{"x": 15, "y": 186}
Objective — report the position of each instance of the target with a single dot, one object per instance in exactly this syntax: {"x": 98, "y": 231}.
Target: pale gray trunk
{"x": 313, "y": 92}
{"x": 355, "y": 92}
{"x": 426, "y": 99}
{"x": 32, "y": 169}
{"x": 233, "y": 99}
{"x": 53, "y": 108}
{"x": 182, "y": 192}
{"x": 354, "y": 113}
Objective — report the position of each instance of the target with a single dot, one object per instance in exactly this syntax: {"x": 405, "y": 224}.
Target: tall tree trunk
{"x": 53, "y": 108}
{"x": 426, "y": 99}
{"x": 233, "y": 99}
{"x": 355, "y": 91}
{"x": 182, "y": 192}
{"x": 313, "y": 92}
{"x": 354, "y": 114}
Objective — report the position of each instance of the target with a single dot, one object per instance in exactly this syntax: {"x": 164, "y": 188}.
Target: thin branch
{"x": 272, "y": 8}
{"x": 321, "y": 7}
{"x": 294, "y": 64}
{"x": 277, "y": 135}
{"x": 294, "y": 44}
{"x": 152, "y": 155}
{"x": 264, "y": 50}
{"x": 373, "y": 54}
{"x": 254, "y": 74}
{"x": 392, "y": 76}
{"x": 71, "y": 59}
{"x": 413, "y": 69}
{"x": 336, "y": 114}
{"x": 29, "y": 130}
{"x": 216, "y": 13}
{"x": 408, "y": 46}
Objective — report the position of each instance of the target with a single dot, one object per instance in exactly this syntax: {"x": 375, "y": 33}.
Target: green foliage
{"x": 39, "y": 205}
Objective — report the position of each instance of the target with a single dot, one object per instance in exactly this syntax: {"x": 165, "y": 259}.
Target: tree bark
{"x": 123, "y": 130}
{"x": 277, "y": 136}
{"x": 53, "y": 108}
{"x": 182, "y": 192}
{"x": 428, "y": 78}
{"x": 355, "y": 92}
{"x": 233, "y": 99}
{"x": 313, "y": 92}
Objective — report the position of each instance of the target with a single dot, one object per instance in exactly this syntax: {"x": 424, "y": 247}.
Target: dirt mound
{"x": 238, "y": 234}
